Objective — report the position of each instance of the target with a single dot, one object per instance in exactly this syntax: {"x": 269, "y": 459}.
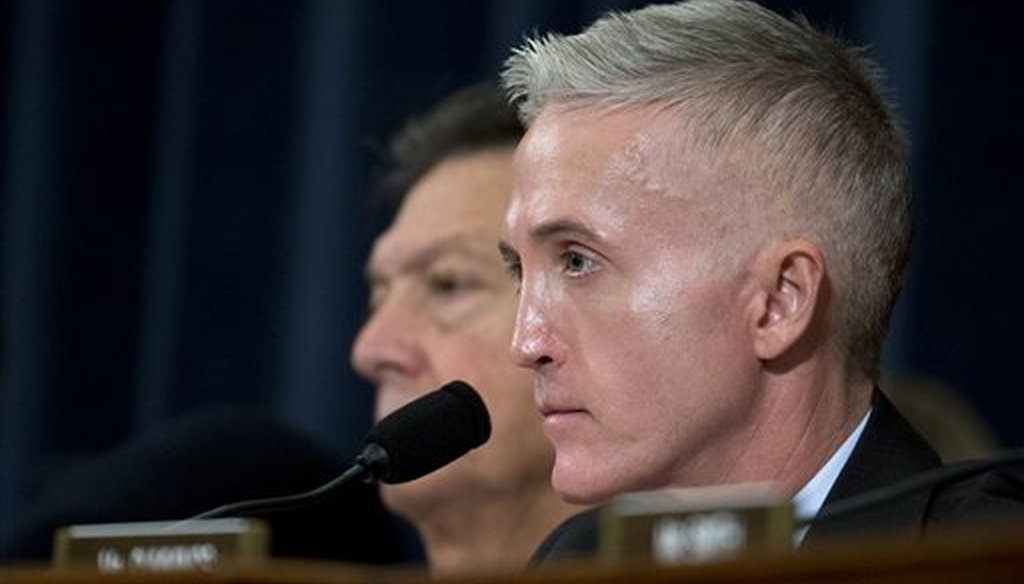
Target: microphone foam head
{"x": 428, "y": 433}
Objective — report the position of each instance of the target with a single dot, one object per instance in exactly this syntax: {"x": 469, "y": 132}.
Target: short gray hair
{"x": 826, "y": 142}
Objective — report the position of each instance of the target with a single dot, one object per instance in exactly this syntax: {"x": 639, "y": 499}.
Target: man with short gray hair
{"x": 710, "y": 226}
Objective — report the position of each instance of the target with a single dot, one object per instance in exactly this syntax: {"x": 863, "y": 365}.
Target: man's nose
{"x": 533, "y": 342}
{"x": 389, "y": 343}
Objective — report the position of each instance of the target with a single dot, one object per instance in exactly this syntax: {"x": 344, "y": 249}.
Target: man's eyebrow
{"x": 461, "y": 243}
{"x": 562, "y": 227}
{"x": 548, "y": 230}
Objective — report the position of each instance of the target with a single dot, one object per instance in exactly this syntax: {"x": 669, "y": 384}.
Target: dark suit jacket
{"x": 889, "y": 451}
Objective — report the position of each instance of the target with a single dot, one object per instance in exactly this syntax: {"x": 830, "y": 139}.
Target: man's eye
{"x": 577, "y": 264}
{"x": 449, "y": 285}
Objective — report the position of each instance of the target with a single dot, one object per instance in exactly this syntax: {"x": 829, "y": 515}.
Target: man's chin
{"x": 580, "y": 488}
{"x": 400, "y": 497}
{"x": 417, "y": 499}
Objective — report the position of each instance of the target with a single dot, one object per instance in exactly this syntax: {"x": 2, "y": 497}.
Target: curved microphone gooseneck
{"x": 416, "y": 439}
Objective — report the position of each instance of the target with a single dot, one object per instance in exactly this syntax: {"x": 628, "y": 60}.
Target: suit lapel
{"x": 889, "y": 451}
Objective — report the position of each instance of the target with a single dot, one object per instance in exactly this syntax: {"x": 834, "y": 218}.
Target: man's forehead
{"x": 600, "y": 156}
{"x": 593, "y": 129}
{"x": 629, "y": 144}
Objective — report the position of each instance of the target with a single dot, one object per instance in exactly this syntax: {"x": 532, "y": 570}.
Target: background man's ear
{"x": 791, "y": 275}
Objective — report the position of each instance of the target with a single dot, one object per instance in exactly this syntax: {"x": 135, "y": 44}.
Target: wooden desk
{"x": 967, "y": 558}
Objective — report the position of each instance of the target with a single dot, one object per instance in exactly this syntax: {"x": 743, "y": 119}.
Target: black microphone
{"x": 426, "y": 434}
{"x": 416, "y": 439}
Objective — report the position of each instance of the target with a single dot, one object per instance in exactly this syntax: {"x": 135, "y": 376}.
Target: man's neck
{"x": 795, "y": 426}
{"x": 836, "y": 413}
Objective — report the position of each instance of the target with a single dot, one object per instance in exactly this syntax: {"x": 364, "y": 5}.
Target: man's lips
{"x": 557, "y": 414}
{"x": 550, "y": 411}
{"x": 562, "y": 422}
{"x": 554, "y": 403}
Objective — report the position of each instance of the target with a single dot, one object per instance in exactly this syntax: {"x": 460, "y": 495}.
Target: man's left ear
{"x": 790, "y": 275}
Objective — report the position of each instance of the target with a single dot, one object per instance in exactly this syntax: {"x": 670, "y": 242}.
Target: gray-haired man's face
{"x": 638, "y": 337}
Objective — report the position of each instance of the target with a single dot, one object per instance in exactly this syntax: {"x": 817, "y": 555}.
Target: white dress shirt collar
{"x": 808, "y": 501}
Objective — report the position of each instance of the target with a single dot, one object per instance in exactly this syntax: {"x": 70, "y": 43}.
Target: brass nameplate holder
{"x": 695, "y": 525}
{"x": 200, "y": 544}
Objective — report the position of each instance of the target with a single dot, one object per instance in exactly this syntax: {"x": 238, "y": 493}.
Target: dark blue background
{"x": 184, "y": 195}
